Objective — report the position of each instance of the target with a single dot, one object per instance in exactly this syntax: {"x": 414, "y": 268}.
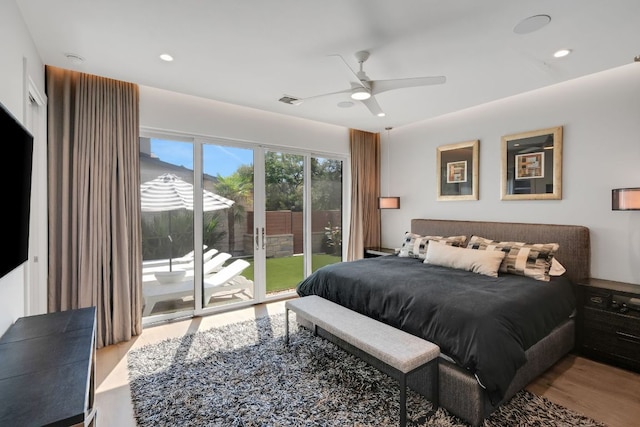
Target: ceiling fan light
{"x": 360, "y": 94}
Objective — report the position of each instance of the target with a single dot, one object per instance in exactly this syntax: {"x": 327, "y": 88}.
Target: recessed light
{"x": 166, "y": 57}
{"x": 74, "y": 58}
{"x": 381, "y": 114}
{"x": 561, "y": 53}
{"x": 531, "y": 24}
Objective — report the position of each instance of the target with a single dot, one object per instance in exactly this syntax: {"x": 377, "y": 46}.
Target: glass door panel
{"x": 227, "y": 226}
{"x": 284, "y": 220}
{"x": 326, "y": 211}
{"x": 167, "y": 225}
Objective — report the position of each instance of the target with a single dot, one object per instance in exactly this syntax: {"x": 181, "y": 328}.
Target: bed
{"x": 496, "y": 334}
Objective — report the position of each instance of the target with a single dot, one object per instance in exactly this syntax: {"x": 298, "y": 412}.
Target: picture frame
{"x": 532, "y": 165}
{"x": 457, "y": 171}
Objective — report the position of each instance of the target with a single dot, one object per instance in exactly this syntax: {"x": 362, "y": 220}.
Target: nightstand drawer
{"x": 613, "y": 333}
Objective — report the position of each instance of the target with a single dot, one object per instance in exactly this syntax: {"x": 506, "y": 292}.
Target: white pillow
{"x": 556, "y": 269}
{"x": 481, "y": 262}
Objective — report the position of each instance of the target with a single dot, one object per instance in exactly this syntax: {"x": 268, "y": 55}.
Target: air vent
{"x": 290, "y": 100}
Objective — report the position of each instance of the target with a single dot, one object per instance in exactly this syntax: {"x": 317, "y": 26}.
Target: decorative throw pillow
{"x": 556, "y": 269}
{"x": 481, "y": 262}
{"x": 525, "y": 259}
{"x": 415, "y": 245}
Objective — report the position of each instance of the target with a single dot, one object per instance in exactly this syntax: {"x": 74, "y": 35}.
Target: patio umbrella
{"x": 168, "y": 193}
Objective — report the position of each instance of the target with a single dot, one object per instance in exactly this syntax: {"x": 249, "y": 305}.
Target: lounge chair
{"x": 182, "y": 262}
{"x": 225, "y": 279}
{"x": 215, "y": 264}
{"x": 205, "y": 257}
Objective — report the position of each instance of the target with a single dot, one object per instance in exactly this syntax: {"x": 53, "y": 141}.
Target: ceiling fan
{"x": 364, "y": 90}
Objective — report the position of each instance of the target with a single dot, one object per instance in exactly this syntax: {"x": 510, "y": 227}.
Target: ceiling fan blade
{"x": 373, "y": 106}
{"x": 327, "y": 94}
{"x": 379, "y": 86}
{"x": 294, "y": 100}
{"x": 357, "y": 78}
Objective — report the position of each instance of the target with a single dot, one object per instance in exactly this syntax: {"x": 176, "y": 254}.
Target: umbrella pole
{"x": 170, "y": 244}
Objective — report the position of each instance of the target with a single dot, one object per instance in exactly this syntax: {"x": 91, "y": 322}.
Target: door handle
{"x": 257, "y": 238}
{"x": 263, "y": 237}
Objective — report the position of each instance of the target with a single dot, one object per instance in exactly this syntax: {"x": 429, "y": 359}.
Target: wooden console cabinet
{"x": 47, "y": 370}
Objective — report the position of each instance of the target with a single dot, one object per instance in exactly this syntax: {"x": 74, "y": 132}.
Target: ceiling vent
{"x": 290, "y": 100}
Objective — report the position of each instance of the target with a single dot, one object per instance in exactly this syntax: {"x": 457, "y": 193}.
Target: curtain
{"x": 95, "y": 239}
{"x": 365, "y": 189}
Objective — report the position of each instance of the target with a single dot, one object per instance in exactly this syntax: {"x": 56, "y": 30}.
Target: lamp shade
{"x": 625, "y": 199}
{"x": 389, "y": 202}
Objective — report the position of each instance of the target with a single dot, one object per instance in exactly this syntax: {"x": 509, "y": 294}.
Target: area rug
{"x": 244, "y": 375}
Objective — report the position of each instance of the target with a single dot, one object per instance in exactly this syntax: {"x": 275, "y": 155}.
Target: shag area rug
{"x": 244, "y": 375}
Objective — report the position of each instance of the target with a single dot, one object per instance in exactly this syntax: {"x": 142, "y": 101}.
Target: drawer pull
{"x": 628, "y": 337}
{"x": 596, "y": 300}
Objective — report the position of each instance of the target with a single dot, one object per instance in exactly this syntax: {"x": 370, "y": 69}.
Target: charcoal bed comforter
{"x": 484, "y": 324}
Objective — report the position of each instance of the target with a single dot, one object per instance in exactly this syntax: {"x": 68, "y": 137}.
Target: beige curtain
{"x": 365, "y": 190}
{"x": 93, "y": 201}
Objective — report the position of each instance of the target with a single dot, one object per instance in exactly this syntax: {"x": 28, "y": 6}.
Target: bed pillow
{"x": 481, "y": 262}
{"x": 556, "y": 269}
{"x": 415, "y": 245}
{"x": 525, "y": 259}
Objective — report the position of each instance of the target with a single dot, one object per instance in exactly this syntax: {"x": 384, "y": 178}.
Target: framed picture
{"x": 457, "y": 171}
{"x": 532, "y": 165}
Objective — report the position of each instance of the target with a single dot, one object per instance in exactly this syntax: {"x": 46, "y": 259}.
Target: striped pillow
{"x": 524, "y": 259}
{"x": 415, "y": 245}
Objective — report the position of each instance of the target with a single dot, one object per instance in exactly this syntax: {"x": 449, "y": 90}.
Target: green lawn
{"x": 285, "y": 273}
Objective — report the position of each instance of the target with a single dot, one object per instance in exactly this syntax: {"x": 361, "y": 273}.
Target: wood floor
{"x": 607, "y": 394}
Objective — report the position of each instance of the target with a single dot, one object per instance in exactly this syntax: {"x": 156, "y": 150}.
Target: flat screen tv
{"x": 17, "y": 150}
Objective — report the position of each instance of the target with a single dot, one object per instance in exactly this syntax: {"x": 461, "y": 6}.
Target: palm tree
{"x": 239, "y": 188}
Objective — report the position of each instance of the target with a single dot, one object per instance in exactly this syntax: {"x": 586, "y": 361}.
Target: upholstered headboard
{"x": 574, "y": 252}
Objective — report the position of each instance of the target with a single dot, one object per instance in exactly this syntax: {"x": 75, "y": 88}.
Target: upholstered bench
{"x": 388, "y": 349}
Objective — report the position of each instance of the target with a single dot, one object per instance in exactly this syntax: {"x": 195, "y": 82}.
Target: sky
{"x": 217, "y": 158}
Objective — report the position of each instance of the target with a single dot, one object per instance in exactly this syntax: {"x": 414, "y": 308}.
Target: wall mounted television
{"x": 15, "y": 196}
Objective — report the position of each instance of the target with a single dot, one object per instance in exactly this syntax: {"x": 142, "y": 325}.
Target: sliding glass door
{"x": 326, "y": 211}
{"x": 166, "y": 202}
{"x": 227, "y": 206}
{"x": 303, "y": 218}
{"x": 284, "y": 222}
{"x": 264, "y": 220}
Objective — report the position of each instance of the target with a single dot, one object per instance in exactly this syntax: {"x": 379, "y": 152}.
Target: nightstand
{"x": 609, "y": 322}
{"x": 376, "y": 252}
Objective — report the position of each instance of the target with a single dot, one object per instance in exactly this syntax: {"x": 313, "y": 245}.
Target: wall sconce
{"x": 625, "y": 199}
{"x": 388, "y": 202}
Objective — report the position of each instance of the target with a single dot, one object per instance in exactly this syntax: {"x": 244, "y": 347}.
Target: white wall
{"x": 18, "y": 57}
{"x": 166, "y": 110}
{"x": 600, "y": 115}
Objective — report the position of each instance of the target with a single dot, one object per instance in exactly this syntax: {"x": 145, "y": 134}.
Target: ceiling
{"x": 252, "y": 52}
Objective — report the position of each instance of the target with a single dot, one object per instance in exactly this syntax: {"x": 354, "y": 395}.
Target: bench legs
{"x": 286, "y": 326}
{"x": 402, "y": 380}
{"x": 402, "y": 377}
{"x": 403, "y": 399}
